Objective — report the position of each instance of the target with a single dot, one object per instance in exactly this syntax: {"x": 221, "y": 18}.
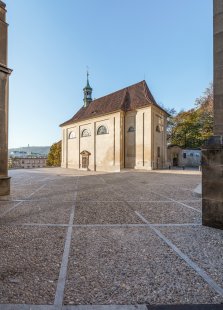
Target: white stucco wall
{"x": 105, "y": 150}
{"x": 118, "y": 148}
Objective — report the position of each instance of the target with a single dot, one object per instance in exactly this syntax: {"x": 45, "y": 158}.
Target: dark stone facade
{"x": 212, "y": 185}
{"x": 212, "y": 154}
{"x": 4, "y": 90}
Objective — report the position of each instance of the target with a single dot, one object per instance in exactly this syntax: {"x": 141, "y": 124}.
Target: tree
{"x": 191, "y": 128}
{"x": 54, "y": 156}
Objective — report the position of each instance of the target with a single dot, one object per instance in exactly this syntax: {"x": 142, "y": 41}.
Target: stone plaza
{"x": 92, "y": 240}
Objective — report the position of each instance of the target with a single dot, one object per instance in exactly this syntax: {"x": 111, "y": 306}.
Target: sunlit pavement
{"x": 84, "y": 240}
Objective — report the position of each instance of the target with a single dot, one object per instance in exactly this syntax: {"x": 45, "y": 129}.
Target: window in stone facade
{"x": 85, "y": 133}
{"x": 158, "y": 151}
{"x": 158, "y": 129}
{"x": 160, "y": 125}
{"x": 102, "y": 130}
{"x": 72, "y": 135}
{"x": 131, "y": 129}
{"x": 184, "y": 155}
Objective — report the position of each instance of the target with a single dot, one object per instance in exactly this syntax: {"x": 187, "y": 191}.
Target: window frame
{"x": 70, "y": 133}
{"x": 131, "y": 130}
{"x": 85, "y": 130}
{"x": 104, "y": 133}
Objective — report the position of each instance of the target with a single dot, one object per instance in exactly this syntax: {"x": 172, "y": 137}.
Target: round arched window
{"x": 102, "y": 130}
{"x": 72, "y": 135}
{"x": 85, "y": 133}
{"x": 131, "y": 129}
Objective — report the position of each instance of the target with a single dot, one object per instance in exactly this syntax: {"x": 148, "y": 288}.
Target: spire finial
{"x": 87, "y": 73}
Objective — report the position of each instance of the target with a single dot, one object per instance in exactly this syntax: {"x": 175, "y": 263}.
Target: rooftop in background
{"x": 29, "y": 151}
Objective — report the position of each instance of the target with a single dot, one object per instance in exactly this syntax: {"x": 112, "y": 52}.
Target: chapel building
{"x": 124, "y": 129}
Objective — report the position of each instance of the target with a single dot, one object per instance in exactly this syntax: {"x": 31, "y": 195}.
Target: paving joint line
{"x": 12, "y": 200}
{"x": 158, "y": 201}
{"x": 132, "y": 209}
{"x": 105, "y": 225}
{"x": 201, "y": 272}
{"x": 19, "y": 203}
{"x": 72, "y": 307}
{"x": 171, "y": 199}
{"x": 59, "y": 295}
{"x": 113, "y": 307}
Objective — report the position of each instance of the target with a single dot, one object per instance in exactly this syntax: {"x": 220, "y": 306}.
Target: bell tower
{"x": 87, "y": 93}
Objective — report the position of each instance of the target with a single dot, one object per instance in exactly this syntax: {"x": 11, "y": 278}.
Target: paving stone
{"x": 203, "y": 245}
{"x": 129, "y": 192}
{"x": 96, "y": 195}
{"x": 166, "y": 212}
{"x": 109, "y": 267}
{"x": 92, "y": 212}
{"x": 195, "y": 204}
{"x": 32, "y": 257}
{"x": 130, "y": 266}
{"x": 23, "y": 190}
{"x": 104, "y": 307}
{"x": 166, "y": 192}
{"x": 6, "y": 205}
{"x": 53, "y": 194}
{"x": 39, "y": 212}
{"x": 26, "y": 307}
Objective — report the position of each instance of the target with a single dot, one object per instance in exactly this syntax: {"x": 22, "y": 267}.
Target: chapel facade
{"x": 125, "y": 129}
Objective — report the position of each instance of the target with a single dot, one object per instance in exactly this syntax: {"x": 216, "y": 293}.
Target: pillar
{"x": 212, "y": 153}
{"x": 4, "y": 88}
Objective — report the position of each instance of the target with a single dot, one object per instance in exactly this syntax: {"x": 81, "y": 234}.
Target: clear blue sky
{"x": 167, "y": 42}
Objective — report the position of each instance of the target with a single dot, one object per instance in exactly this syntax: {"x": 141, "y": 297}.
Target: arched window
{"x": 85, "y": 133}
{"x": 72, "y": 135}
{"x": 102, "y": 130}
{"x": 131, "y": 129}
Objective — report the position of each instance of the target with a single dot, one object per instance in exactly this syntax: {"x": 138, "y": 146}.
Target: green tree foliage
{"x": 54, "y": 156}
{"x": 191, "y": 128}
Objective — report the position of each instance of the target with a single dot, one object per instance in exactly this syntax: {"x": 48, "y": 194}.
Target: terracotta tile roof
{"x": 126, "y": 99}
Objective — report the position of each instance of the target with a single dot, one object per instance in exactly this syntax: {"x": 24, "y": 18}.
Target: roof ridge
{"x": 145, "y": 88}
{"x": 152, "y": 99}
{"x": 119, "y": 90}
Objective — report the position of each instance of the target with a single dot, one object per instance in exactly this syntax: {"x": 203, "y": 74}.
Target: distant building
{"x": 125, "y": 129}
{"x": 26, "y": 154}
{"x": 187, "y": 157}
{"x": 27, "y": 162}
{"x": 18, "y": 154}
